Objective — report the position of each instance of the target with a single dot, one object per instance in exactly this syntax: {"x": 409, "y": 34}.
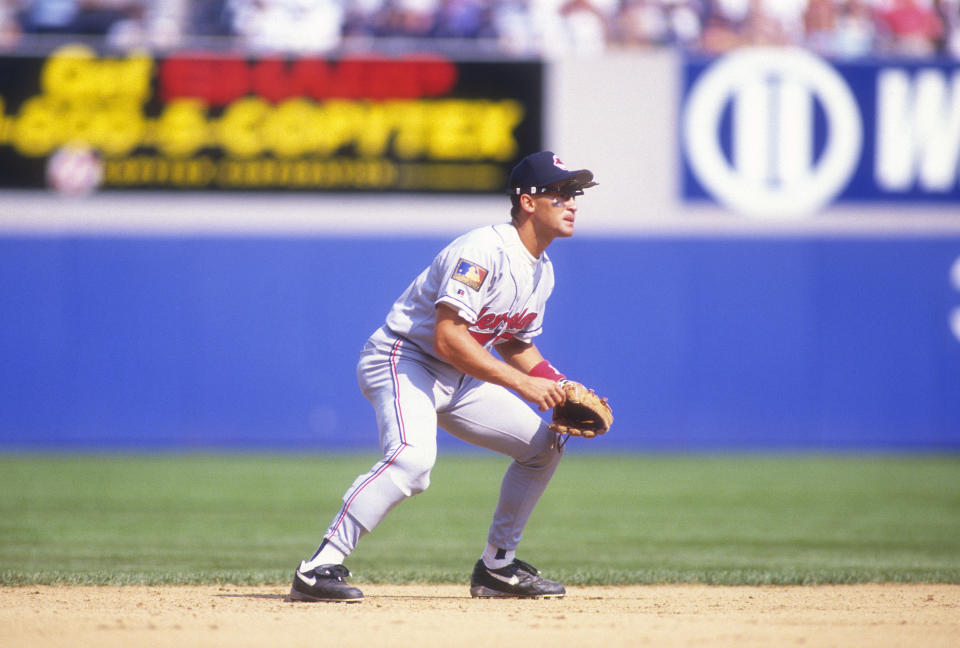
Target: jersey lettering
{"x": 516, "y": 322}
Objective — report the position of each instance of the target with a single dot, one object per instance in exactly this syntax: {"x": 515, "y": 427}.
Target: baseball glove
{"x": 582, "y": 413}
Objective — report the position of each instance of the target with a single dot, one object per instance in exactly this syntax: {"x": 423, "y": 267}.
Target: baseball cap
{"x": 540, "y": 170}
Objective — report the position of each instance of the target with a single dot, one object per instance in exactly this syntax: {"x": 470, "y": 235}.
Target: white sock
{"x": 495, "y": 558}
{"x": 327, "y": 554}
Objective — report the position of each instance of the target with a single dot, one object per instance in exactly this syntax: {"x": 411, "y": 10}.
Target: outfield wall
{"x": 164, "y": 320}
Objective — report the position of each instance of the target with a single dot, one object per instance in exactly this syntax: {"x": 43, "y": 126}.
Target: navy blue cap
{"x": 540, "y": 170}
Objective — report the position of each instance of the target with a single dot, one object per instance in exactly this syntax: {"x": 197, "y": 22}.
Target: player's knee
{"x": 413, "y": 466}
{"x": 544, "y": 452}
{"x": 546, "y": 460}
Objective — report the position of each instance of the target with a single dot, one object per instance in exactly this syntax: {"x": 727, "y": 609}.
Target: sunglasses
{"x": 566, "y": 192}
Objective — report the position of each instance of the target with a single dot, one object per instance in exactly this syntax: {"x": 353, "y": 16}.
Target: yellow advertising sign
{"x": 233, "y": 124}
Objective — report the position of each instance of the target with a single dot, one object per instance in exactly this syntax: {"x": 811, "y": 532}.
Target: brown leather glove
{"x": 582, "y": 413}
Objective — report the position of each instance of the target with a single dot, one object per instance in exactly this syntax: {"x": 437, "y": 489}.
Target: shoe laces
{"x": 525, "y": 566}
{"x": 339, "y": 572}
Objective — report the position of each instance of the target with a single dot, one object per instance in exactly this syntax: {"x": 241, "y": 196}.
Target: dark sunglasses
{"x": 566, "y": 192}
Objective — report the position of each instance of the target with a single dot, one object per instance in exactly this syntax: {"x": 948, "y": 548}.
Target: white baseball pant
{"x": 413, "y": 394}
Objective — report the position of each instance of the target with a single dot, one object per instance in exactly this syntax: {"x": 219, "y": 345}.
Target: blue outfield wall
{"x": 700, "y": 343}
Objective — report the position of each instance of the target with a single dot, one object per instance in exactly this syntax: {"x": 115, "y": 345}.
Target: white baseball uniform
{"x": 497, "y": 286}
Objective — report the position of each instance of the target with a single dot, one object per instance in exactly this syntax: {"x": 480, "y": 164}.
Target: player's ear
{"x": 527, "y": 203}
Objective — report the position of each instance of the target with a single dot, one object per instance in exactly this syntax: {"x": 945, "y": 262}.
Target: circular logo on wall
{"x": 768, "y": 101}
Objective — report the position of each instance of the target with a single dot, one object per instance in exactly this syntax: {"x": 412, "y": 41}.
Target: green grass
{"x": 752, "y": 519}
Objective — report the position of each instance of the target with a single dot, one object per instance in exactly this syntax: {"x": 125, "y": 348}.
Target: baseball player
{"x": 431, "y": 365}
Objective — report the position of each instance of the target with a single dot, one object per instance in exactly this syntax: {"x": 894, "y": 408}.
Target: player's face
{"x": 556, "y": 210}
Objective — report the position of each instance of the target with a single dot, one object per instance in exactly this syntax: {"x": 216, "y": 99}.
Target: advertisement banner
{"x": 784, "y": 133}
{"x": 78, "y": 121}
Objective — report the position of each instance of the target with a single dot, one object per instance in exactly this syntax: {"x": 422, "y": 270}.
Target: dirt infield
{"x": 427, "y": 616}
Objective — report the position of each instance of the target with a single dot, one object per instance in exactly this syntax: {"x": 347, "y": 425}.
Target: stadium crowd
{"x": 835, "y": 28}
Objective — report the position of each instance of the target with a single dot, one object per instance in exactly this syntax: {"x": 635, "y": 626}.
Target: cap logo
{"x": 560, "y": 165}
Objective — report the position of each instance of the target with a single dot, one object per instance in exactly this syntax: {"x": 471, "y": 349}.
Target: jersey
{"x": 492, "y": 281}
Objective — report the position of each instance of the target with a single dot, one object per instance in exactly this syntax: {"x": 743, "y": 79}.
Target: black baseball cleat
{"x": 516, "y": 580}
{"x": 324, "y": 583}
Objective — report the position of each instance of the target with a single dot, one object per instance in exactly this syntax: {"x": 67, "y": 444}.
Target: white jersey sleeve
{"x": 469, "y": 275}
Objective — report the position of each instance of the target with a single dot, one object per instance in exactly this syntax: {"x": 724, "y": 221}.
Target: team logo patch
{"x": 470, "y": 273}
{"x": 560, "y": 165}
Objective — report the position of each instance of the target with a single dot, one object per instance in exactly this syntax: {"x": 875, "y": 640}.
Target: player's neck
{"x": 532, "y": 239}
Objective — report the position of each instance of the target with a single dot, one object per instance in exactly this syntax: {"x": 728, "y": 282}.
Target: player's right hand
{"x": 542, "y": 392}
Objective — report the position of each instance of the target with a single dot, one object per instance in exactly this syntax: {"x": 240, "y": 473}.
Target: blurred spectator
{"x": 511, "y": 21}
{"x": 545, "y": 27}
{"x": 844, "y": 29}
{"x": 93, "y": 17}
{"x": 821, "y": 23}
{"x": 405, "y": 19}
{"x": 306, "y": 26}
{"x": 642, "y": 22}
{"x": 724, "y": 25}
{"x": 10, "y": 28}
{"x": 553, "y": 28}
{"x": 584, "y": 26}
{"x": 208, "y": 18}
{"x": 765, "y": 22}
{"x": 359, "y": 17}
{"x": 660, "y": 22}
{"x": 121, "y": 24}
{"x": 950, "y": 14}
{"x": 739, "y": 23}
{"x": 911, "y": 27}
{"x": 464, "y": 19}
{"x": 784, "y": 20}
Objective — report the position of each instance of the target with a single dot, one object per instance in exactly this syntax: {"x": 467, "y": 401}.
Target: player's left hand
{"x": 582, "y": 412}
